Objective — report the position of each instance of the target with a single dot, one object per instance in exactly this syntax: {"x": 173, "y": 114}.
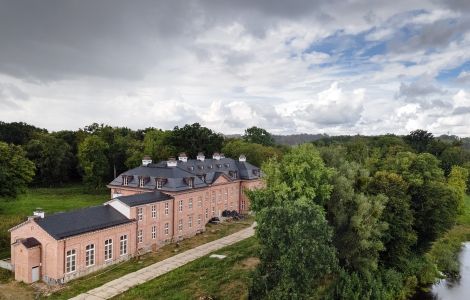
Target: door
{"x": 35, "y": 274}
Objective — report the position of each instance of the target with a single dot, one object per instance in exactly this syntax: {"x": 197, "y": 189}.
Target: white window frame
{"x": 140, "y": 236}
{"x": 180, "y": 205}
{"x": 207, "y": 213}
{"x": 199, "y": 217}
{"x": 141, "y": 182}
{"x": 190, "y": 203}
{"x": 167, "y": 228}
{"x": 71, "y": 261}
{"x": 123, "y": 244}
{"x": 242, "y": 204}
{"x": 140, "y": 213}
{"x": 190, "y": 221}
{"x": 167, "y": 208}
{"x": 125, "y": 181}
{"x": 180, "y": 224}
{"x": 190, "y": 182}
{"x": 154, "y": 211}
{"x": 90, "y": 255}
{"x": 108, "y": 249}
{"x": 199, "y": 201}
{"x": 159, "y": 184}
{"x": 154, "y": 232}
{"x": 213, "y": 211}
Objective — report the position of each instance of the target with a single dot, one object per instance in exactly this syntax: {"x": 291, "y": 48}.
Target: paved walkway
{"x": 122, "y": 284}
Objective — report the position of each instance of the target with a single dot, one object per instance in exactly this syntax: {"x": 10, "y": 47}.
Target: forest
{"x": 347, "y": 217}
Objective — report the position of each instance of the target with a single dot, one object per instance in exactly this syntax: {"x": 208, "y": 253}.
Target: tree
{"x": 458, "y": 181}
{"x": 295, "y": 240}
{"x": 453, "y": 156}
{"x": 18, "y": 133}
{"x": 255, "y": 153}
{"x": 419, "y": 140}
{"x": 399, "y": 238}
{"x": 157, "y": 144}
{"x": 16, "y": 171}
{"x": 93, "y": 161}
{"x": 194, "y": 138}
{"x": 52, "y": 159}
{"x": 258, "y": 136}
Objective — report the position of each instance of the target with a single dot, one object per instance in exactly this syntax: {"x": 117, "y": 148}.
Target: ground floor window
{"x": 242, "y": 205}
{"x": 140, "y": 236}
{"x": 180, "y": 225}
{"x": 123, "y": 245}
{"x": 167, "y": 230}
{"x": 199, "y": 217}
{"x": 90, "y": 255}
{"x": 108, "y": 249}
{"x": 70, "y": 262}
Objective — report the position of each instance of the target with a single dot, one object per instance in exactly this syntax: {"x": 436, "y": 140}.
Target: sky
{"x": 298, "y": 66}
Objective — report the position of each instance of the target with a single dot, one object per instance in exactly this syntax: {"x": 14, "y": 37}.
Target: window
{"x": 159, "y": 184}
{"x": 123, "y": 245}
{"x": 231, "y": 205}
{"x": 90, "y": 255}
{"x": 141, "y": 182}
{"x": 71, "y": 259}
{"x": 207, "y": 213}
{"x": 154, "y": 212}
{"x": 199, "y": 201}
{"x": 190, "y": 182}
{"x": 242, "y": 204}
{"x": 166, "y": 208}
{"x": 213, "y": 197}
{"x": 190, "y": 222}
{"x": 125, "y": 180}
{"x": 180, "y": 225}
{"x": 154, "y": 232}
{"x": 167, "y": 228}
{"x": 213, "y": 211}
{"x": 220, "y": 196}
{"x": 180, "y": 204}
{"x": 140, "y": 213}
{"x": 190, "y": 203}
{"x": 199, "y": 217}
{"x": 140, "y": 236}
{"x": 108, "y": 249}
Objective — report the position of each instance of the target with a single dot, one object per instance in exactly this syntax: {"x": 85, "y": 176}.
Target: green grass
{"x": 13, "y": 212}
{"x": 445, "y": 251}
{"x": 99, "y": 278}
{"x": 228, "y": 278}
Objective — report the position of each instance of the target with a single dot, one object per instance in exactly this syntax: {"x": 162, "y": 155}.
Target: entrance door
{"x": 35, "y": 274}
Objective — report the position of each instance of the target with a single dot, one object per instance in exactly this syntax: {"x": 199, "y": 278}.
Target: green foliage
{"x": 458, "y": 180}
{"x": 92, "y": 157}
{"x": 255, "y": 153}
{"x": 16, "y": 171}
{"x": 52, "y": 158}
{"x": 356, "y": 219}
{"x": 399, "y": 238}
{"x": 195, "y": 138}
{"x": 419, "y": 140}
{"x": 156, "y": 144}
{"x": 258, "y": 135}
{"x": 18, "y": 133}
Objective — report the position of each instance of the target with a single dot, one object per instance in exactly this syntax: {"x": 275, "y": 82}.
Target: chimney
{"x": 242, "y": 158}
{"x": 172, "y": 162}
{"x": 147, "y": 160}
{"x": 38, "y": 213}
{"x": 216, "y": 156}
{"x": 182, "y": 157}
{"x": 200, "y": 156}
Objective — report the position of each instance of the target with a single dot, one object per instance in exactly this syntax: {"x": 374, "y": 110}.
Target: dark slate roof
{"x": 80, "y": 221}
{"x": 203, "y": 173}
{"x": 30, "y": 242}
{"x": 144, "y": 198}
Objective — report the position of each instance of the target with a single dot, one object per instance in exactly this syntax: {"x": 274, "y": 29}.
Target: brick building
{"x": 150, "y": 205}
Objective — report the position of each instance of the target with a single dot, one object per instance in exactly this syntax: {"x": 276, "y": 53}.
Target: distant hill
{"x": 295, "y": 139}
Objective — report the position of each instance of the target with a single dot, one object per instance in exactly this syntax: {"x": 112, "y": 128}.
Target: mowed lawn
{"x": 227, "y": 278}
{"x": 51, "y": 200}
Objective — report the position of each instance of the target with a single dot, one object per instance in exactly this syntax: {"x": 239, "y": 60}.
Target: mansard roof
{"x": 67, "y": 224}
{"x": 144, "y": 198}
{"x": 174, "y": 179}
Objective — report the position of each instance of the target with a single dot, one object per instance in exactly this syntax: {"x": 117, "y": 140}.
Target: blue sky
{"x": 335, "y": 67}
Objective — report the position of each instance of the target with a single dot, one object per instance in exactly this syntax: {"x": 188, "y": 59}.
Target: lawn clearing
{"x": 213, "y": 232}
{"x": 226, "y": 278}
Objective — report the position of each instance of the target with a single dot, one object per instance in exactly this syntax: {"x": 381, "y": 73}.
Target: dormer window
{"x": 227, "y": 165}
{"x": 210, "y": 166}
{"x": 219, "y": 165}
{"x": 233, "y": 174}
{"x": 125, "y": 180}
{"x": 191, "y": 168}
{"x": 190, "y": 182}
{"x": 159, "y": 184}
{"x": 201, "y": 167}
{"x": 141, "y": 182}
{"x": 256, "y": 172}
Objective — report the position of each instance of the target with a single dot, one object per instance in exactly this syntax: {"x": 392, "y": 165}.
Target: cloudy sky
{"x": 334, "y": 66}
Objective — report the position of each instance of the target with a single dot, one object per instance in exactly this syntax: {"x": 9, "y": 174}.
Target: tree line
{"x": 95, "y": 154}
{"x": 353, "y": 217}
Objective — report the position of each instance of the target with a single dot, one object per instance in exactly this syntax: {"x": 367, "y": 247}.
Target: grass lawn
{"x": 13, "y": 212}
{"x": 99, "y": 278}
{"x": 227, "y": 278}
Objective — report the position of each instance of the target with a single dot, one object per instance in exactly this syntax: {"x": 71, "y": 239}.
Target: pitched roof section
{"x": 203, "y": 173}
{"x": 30, "y": 242}
{"x": 76, "y": 222}
{"x": 144, "y": 198}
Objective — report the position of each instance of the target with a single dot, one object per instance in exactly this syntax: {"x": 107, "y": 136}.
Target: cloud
{"x": 10, "y": 95}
